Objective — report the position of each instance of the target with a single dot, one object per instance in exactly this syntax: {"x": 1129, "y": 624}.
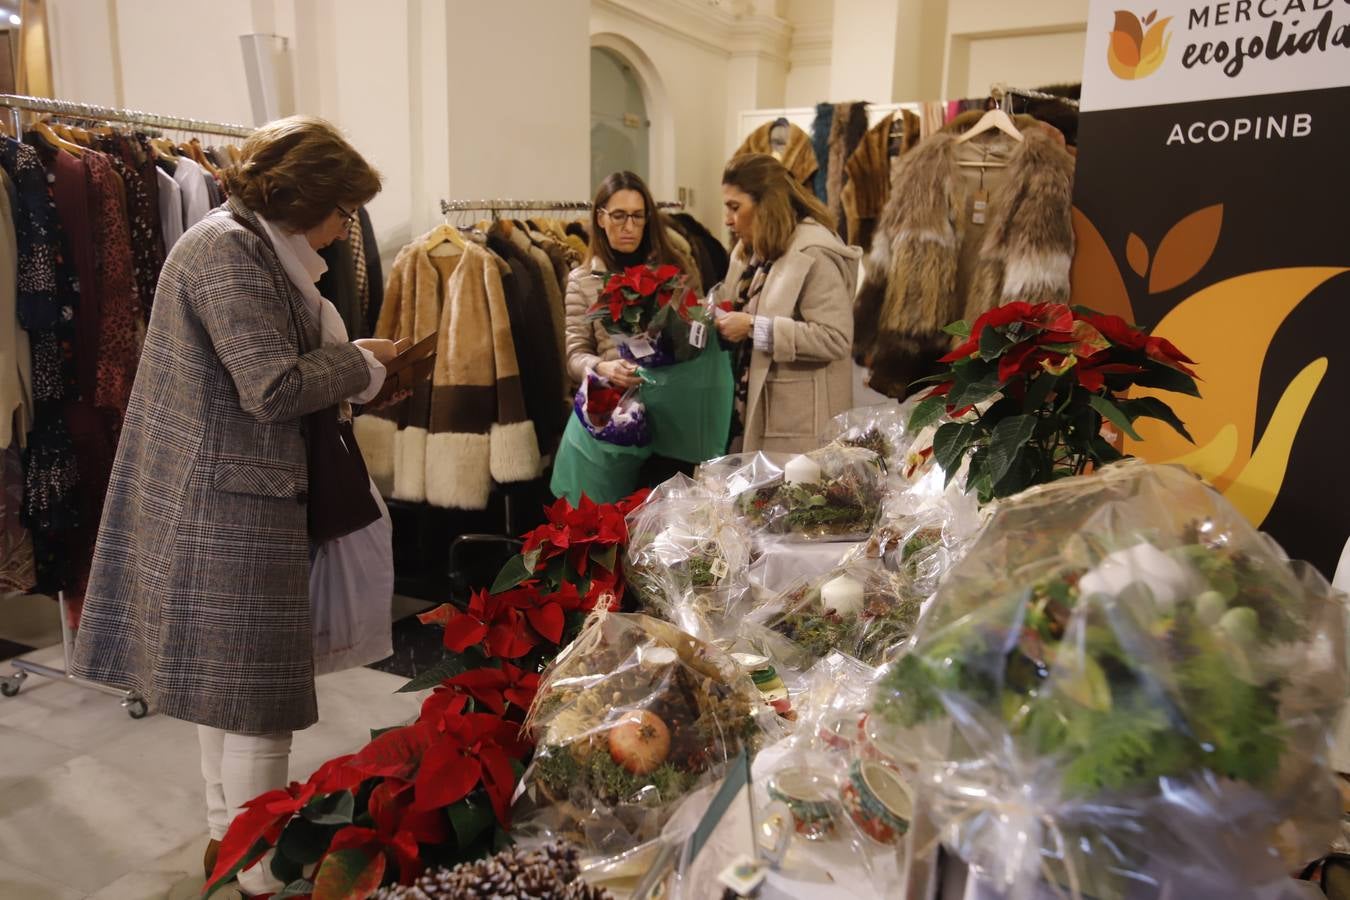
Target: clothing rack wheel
{"x": 10, "y": 685}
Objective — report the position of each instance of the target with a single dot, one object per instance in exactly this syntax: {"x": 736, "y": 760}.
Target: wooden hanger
{"x": 446, "y": 239}
{"x": 994, "y": 119}
{"x": 164, "y": 147}
{"x": 54, "y": 140}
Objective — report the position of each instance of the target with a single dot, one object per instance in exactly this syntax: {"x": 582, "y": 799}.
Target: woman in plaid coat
{"x": 198, "y": 597}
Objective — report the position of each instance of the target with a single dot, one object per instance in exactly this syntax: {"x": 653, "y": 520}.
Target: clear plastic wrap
{"x": 728, "y": 477}
{"x": 631, "y": 717}
{"x": 839, "y": 498}
{"x": 883, "y": 429}
{"x": 688, "y": 557}
{"x": 859, "y": 607}
{"x": 1123, "y": 690}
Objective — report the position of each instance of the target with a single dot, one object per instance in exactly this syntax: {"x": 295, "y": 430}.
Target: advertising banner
{"x": 1212, "y": 200}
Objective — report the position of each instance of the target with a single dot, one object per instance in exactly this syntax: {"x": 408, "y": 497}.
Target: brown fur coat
{"x": 799, "y": 158}
{"x": 846, "y": 132}
{"x": 868, "y": 176}
{"x": 909, "y": 290}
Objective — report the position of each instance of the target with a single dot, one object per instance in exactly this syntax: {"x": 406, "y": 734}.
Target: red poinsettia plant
{"x": 651, "y": 310}
{"x": 1031, "y": 385}
{"x": 438, "y": 791}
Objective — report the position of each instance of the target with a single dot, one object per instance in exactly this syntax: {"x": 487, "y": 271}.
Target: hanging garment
{"x": 933, "y": 118}
{"x": 479, "y": 431}
{"x": 16, "y": 370}
{"x": 932, "y": 262}
{"x": 535, "y": 342}
{"x": 338, "y": 284}
{"x": 170, "y": 208}
{"x": 191, "y": 179}
{"x": 798, "y": 157}
{"x": 868, "y": 174}
{"x": 373, "y": 300}
{"x": 17, "y": 574}
{"x": 712, "y": 253}
{"x": 552, "y": 288}
{"x": 820, "y": 144}
{"x": 120, "y": 331}
{"x": 356, "y": 243}
{"x": 135, "y": 165}
{"x": 846, "y": 131}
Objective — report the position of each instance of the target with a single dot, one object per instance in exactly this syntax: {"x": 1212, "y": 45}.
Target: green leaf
{"x": 1008, "y": 437}
{"x": 605, "y": 557}
{"x": 469, "y": 820}
{"x": 972, "y": 392}
{"x": 349, "y": 875}
{"x": 297, "y": 888}
{"x": 1039, "y": 389}
{"x": 1102, "y": 452}
{"x": 960, "y": 328}
{"x": 512, "y": 574}
{"x": 1113, "y": 414}
{"x": 926, "y": 413}
{"x": 285, "y": 869}
{"x": 255, "y": 853}
{"x": 376, "y": 732}
{"x": 303, "y": 842}
{"x": 1166, "y": 378}
{"x": 447, "y": 666}
{"x": 1153, "y": 408}
{"x": 993, "y": 344}
{"x": 950, "y": 443}
{"x": 331, "y": 809}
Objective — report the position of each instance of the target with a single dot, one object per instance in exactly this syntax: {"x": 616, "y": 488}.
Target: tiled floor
{"x": 94, "y": 804}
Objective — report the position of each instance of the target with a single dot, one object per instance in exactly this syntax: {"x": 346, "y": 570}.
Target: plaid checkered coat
{"x": 198, "y": 597}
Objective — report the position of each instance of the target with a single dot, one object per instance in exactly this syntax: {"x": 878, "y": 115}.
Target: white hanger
{"x": 993, "y": 119}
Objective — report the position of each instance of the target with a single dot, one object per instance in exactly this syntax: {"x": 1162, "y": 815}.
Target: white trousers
{"x": 237, "y": 768}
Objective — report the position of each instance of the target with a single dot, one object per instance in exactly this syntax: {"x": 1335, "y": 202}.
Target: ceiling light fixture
{"x": 14, "y": 19}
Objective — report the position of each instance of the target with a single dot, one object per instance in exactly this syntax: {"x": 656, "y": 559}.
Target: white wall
{"x": 808, "y": 77}
{"x": 1029, "y": 60}
{"x": 1025, "y": 43}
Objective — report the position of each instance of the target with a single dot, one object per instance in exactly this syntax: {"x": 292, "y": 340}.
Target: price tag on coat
{"x": 979, "y": 210}
{"x": 698, "y": 335}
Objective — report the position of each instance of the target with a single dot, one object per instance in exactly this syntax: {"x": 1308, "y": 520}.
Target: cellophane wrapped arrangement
{"x": 688, "y": 557}
{"x": 1124, "y": 690}
{"x": 842, "y": 504}
{"x": 883, "y": 429}
{"x": 631, "y": 717}
{"x": 860, "y": 608}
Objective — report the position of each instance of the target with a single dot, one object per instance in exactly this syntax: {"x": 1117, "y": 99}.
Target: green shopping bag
{"x": 606, "y": 473}
{"x": 689, "y": 405}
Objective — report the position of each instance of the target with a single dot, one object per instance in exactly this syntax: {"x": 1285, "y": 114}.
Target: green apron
{"x": 606, "y": 473}
{"x": 689, "y": 405}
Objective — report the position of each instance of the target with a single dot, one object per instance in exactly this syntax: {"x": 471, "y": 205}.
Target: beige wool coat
{"x": 808, "y": 379}
{"x": 199, "y": 592}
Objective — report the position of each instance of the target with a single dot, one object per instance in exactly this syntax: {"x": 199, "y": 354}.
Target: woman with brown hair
{"x": 198, "y": 596}
{"x": 791, "y": 287}
{"x": 687, "y": 404}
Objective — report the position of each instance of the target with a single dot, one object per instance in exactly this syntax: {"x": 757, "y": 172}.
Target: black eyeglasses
{"x": 619, "y": 217}
{"x": 348, "y": 216}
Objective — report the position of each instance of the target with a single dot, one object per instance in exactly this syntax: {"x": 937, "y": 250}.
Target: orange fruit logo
{"x": 1133, "y": 52}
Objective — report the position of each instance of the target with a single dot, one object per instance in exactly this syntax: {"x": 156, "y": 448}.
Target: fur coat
{"x": 820, "y": 143}
{"x": 799, "y": 157}
{"x": 909, "y": 291}
{"x": 846, "y": 132}
{"x": 868, "y": 175}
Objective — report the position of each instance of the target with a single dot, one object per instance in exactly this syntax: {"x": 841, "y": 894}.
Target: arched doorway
{"x": 620, "y": 129}
{"x": 621, "y": 76}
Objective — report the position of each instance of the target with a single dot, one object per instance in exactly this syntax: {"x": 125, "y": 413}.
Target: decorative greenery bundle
{"x": 1031, "y": 387}
{"x": 887, "y": 617}
{"x": 438, "y": 791}
{"x": 550, "y": 872}
{"x": 1113, "y": 642}
{"x": 844, "y": 503}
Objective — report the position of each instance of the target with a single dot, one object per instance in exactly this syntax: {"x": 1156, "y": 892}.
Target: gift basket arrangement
{"x": 1137, "y": 689}
{"x": 630, "y": 718}
{"x": 688, "y": 557}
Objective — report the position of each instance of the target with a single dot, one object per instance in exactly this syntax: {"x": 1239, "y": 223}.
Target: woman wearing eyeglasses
{"x": 680, "y": 400}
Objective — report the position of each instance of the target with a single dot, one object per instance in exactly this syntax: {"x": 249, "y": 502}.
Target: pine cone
{"x": 547, "y": 873}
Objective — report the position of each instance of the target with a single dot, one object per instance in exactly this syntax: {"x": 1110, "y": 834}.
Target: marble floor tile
{"x": 156, "y": 748}
{"x": 16, "y": 883}
{"x": 88, "y": 823}
{"x": 175, "y": 876}
{"x": 23, "y": 756}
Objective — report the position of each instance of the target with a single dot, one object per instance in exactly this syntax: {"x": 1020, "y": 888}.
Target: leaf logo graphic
{"x": 1134, "y": 53}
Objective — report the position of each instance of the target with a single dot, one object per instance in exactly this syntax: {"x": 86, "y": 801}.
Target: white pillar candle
{"x": 842, "y": 596}
{"x": 801, "y": 470}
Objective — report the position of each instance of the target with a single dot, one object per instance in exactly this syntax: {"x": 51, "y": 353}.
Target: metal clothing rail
{"x": 449, "y": 206}
{"x": 999, "y": 91}
{"x": 19, "y": 102}
{"x": 10, "y": 685}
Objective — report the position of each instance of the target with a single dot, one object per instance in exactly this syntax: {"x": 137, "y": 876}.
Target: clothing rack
{"x": 999, "y": 91}
{"x": 18, "y": 104}
{"x": 495, "y": 206}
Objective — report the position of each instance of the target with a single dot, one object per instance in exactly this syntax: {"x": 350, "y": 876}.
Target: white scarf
{"x": 304, "y": 266}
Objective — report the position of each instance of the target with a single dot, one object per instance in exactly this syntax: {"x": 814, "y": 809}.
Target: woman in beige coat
{"x": 791, "y": 287}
